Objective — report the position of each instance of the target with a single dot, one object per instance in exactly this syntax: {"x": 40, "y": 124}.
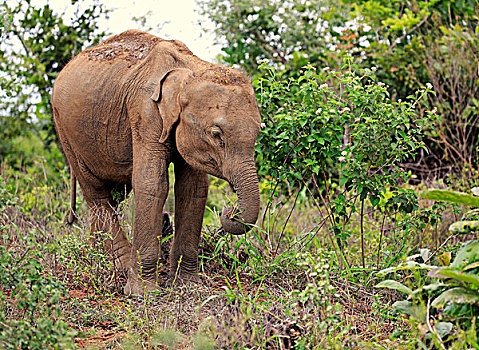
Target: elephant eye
{"x": 218, "y": 135}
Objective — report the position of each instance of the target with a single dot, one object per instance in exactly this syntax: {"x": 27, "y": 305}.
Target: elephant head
{"x": 216, "y": 121}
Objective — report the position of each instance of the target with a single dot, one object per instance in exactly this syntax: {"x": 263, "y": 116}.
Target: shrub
{"x": 444, "y": 305}
{"x": 31, "y": 318}
{"x": 444, "y": 308}
{"x": 339, "y": 136}
{"x": 342, "y": 124}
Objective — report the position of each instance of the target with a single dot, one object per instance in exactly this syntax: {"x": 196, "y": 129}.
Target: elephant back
{"x": 132, "y": 46}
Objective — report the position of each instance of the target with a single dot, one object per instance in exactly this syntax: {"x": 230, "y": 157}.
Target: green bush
{"x": 444, "y": 305}
{"x": 31, "y": 318}
{"x": 338, "y": 136}
{"x": 341, "y": 123}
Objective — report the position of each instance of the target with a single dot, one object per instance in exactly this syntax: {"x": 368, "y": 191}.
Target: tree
{"x": 452, "y": 55}
{"x": 419, "y": 42}
{"x": 35, "y": 44}
{"x": 289, "y": 33}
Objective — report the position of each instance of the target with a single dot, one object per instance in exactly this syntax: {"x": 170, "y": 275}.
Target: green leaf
{"x": 391, "y": 284}
{"x": 416, "y": 311}
{"x": 458, "y": 275}
{"x": 443, "y": 328}
{"x": 456, "y": 295}
{"x": 471, "y": 266}
{"x": 435, "y": 286}
{"x": 343, "y": 179}
{"x": 409, "y": 265}
{"x": 451, "y": 197}
{"x": 374, "y": 200}
{"x": 464, "y": 227}
{"x": 467, "y": 254}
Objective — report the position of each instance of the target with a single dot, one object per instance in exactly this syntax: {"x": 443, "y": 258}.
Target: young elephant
{"x": 127, "y": 108}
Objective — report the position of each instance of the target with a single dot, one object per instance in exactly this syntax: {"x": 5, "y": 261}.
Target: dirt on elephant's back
{"x": 132, "y": 46}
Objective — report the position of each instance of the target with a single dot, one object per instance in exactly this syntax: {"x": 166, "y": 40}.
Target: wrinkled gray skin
{"x": 127, "y": 108}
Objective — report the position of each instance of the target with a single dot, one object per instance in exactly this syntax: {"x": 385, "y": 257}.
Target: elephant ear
{"x": 167, "y": 97}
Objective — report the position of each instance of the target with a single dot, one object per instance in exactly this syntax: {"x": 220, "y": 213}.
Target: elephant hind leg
{"x": 107, "y": 230}
{"x": 103, "y": 214}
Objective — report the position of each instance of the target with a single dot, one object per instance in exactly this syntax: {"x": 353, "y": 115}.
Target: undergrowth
{"x": 336, "y": 210}
{"x": 280, "y": 286}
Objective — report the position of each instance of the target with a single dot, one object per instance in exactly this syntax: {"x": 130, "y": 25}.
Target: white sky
{"x": 170, "y": 19}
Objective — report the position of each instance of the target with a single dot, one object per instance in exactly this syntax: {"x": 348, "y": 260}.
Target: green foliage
{"x": 37, "y": 323}
{"x": 466, "y": 225}
{"x": 35, "y": 44}
{"x": 168, "y": 338}
{"x": 343, "y": 145}
{"x": 315, "y": 296}
{"x": 31, "y": 318}
{"x": 451, "y": 52}
{"x": 202, "y": 342}
{"x": 421, "y": 41}
{"x": 28, "y": 150}
{"x": 411, "y": 43}
{"x": 331, "y": 153}
{"x": 289, "y": 33}
{"x": 311, "y": 128}
{"x": 398, "y": 31}
{"x": 451, "y": 197}
{"x": 452, "y": 290}
{"x": 89, "y": 264}
{"x": 446, "y": 303}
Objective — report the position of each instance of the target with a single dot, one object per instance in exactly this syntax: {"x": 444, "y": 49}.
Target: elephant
{"x": 127, "y": 108}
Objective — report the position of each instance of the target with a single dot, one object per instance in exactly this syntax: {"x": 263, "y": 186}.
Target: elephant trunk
{"x": 245, "y": 182}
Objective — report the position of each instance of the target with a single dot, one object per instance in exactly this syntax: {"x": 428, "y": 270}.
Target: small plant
{"x": 444, "y": 304}
{"x": 87, "y": 263}
{"x": 167, "y": 338}
{"x": 445, "y": 307}
{"x": 29, "y": 314}
{"x": 312, "y": 306}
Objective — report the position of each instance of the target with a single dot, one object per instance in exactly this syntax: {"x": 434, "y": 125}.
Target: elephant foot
{"x": 183, "y": 279}
{"x": 138, "y": 287}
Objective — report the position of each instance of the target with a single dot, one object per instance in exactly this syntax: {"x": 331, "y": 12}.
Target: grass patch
{"x": 283, "y": 285}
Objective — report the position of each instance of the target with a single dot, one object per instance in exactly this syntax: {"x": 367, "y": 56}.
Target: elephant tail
{"x": 73, "y": 185}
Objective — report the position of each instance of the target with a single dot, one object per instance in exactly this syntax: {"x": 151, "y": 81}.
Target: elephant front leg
{"x": 191, "y": 191}
{"x": 150, "y": 185}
